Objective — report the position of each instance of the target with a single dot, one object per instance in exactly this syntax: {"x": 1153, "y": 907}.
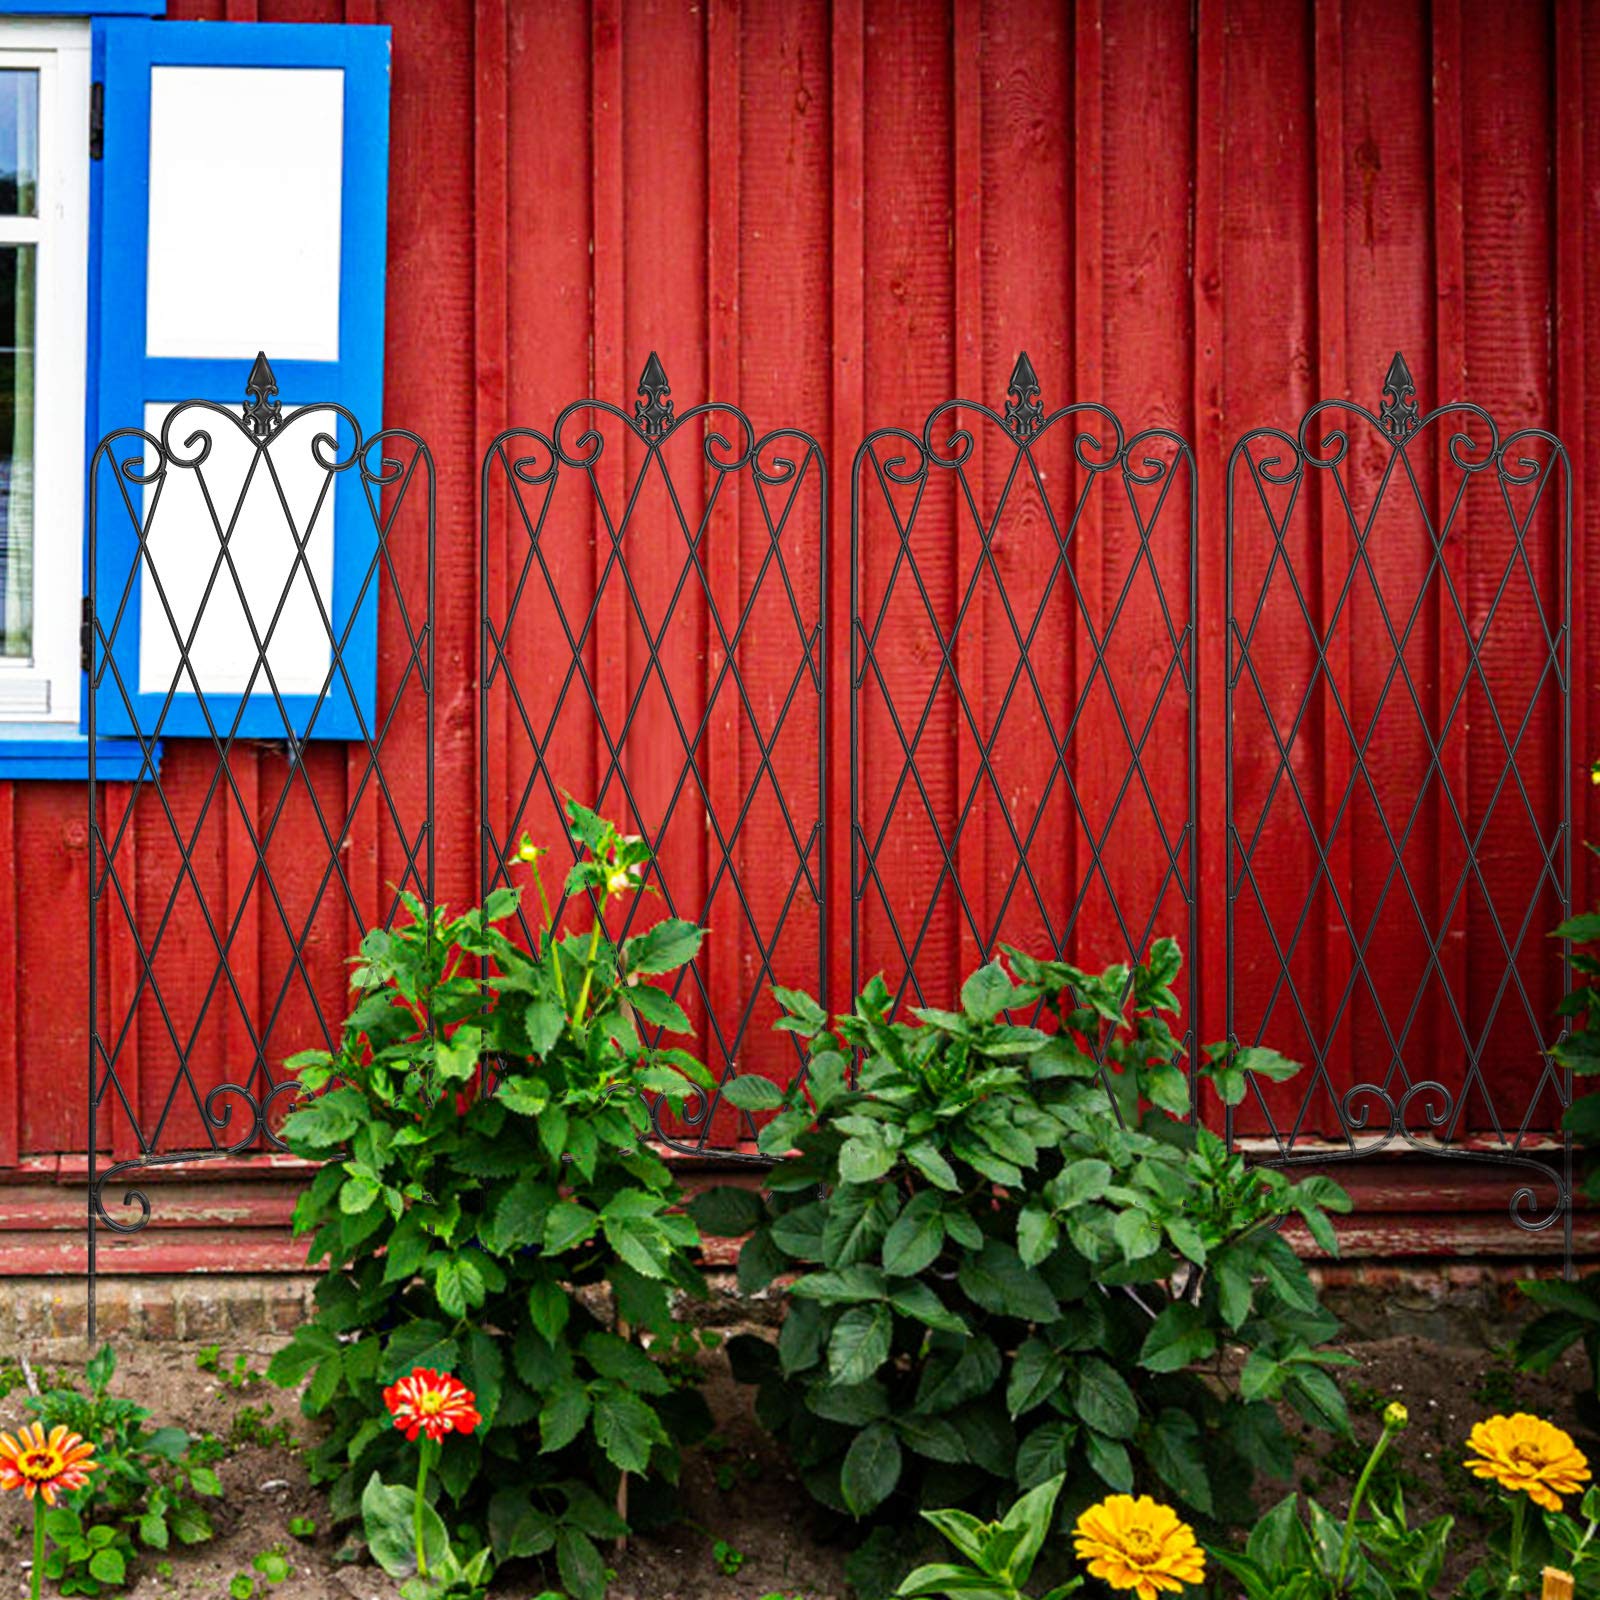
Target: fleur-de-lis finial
{"x": 1024, "y": 412}
{"x": 263, "y": 415}
{"x": 653, "y": 409}
{"x": 1398, "y": 414}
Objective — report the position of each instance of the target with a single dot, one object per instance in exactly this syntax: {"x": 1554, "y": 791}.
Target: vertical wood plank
{"x": 1338, "y": 806}
{"x": 491, "y": 161}
{"x": 1450, "y": 382}
{"x": 1571, "y": 328}
{"x": 610, "y": 381}
{"x": 1099, "y": 753}
{"x": 1211, "y": 445}
{"x": 10, "y": 954}
{"x": 847, "y": 426}
{"x": 728, "y": 951}
{"x": 123, "y": 968}
{"x": 244, "y": 891}
{"x": 968, "y": 245}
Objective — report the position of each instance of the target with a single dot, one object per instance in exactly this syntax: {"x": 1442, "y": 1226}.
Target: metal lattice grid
{"x": 1399, "y": 600}
{"x": 1023, "y": 738}
{"x": 231, "y": 878}
{"x": 654, "y": 645}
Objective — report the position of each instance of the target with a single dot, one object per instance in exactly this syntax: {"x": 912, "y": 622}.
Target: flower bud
{"x": 1395, "y": 1416}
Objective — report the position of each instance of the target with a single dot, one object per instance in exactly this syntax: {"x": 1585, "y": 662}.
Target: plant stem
{"x": 1348, "y": 1542}
{"x": 416, "y": 1509}
{"x": 1514, "y": 1575}
{"x": 38, "y": 1545}
{"x": 549, "y": 926}
{"x": 589, "y": 960}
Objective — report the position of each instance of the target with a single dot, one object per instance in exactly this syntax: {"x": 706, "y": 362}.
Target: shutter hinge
{"x": 85, "y": 636}
{"x": 97, "y": 121}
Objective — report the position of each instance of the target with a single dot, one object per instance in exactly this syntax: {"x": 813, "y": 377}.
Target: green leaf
{"x": 871, "y": 1468}
{"x": 932, "y": 1437}
{"x": 916, "y": 1236}
{"x": 1137, "y": 1233}
{"x": 997, "y": 1280}
{"x": 750, "y": 1092}
{"x": 726, "y": 1212}
{"x": 583, "y": 1572}
{"x": 918, "y": 1300}
{"x": 865, "y": 1158}
{"x": 386, "y": 1520}
{"x": 1104, "y": 1400}
{"x": 1036, "y": 1373}
{"x": 273, "y": 1565}
{"x": 859, "y": 1344}
{"x": 1045, "y": 1453}
{"x": 549, "y": 1308}
{"x": 561, "y": 1418}
{"x": 856, "y": 1222}
{"x": 987, "y": 992}
{"x": 569, "y": 1224}
{"x": 1110, "y": 1462}
{"x": 658, "y": 1008}
{"x": 626, "y": 1428}
{"x": 1177, "y": 1339}
{"x": 663, "y": 948}
{"x": 545, "y": 1023}
{"x": 1173, "y": 1449}
{"x": 108, "y": 1566}
{"x": 927, "y": 1159}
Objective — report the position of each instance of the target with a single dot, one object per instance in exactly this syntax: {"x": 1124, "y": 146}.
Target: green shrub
{"x": 488, "y": 1208}
{"x": 147, "y": 1491}
{"x": 1570, "y": 1311}
{"x": 1005, "y": 1276}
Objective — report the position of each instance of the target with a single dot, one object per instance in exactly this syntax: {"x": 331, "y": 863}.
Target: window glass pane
{"x": 19, "y": 142}
{"x": 17, "y": 299}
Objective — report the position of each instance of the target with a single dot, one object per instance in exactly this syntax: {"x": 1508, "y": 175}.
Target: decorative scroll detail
{"x": 1024, "y": 409}
{"x": 543, "y": 506}
{"x": 654, "y": 409}
{"x": 263, "y": 415}
{"x": 190, "y": 988}
{"x": 1398, "y": 414}
{"x": 1421, "y": 1011}
{"x": 983, "y": 897}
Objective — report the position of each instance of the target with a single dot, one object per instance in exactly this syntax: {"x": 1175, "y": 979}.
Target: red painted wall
{"x": 1208, "y": 215}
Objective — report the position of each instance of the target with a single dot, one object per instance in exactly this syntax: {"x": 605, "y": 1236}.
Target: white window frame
{"x": 44, "y": 692}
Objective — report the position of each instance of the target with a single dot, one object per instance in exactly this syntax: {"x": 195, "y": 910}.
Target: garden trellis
{"x": 1024, "y": 754}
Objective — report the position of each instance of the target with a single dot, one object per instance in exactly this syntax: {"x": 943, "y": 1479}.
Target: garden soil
{"x": 747, "y": 1531}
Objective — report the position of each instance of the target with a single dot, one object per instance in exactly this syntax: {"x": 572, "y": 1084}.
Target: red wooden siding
{"x": 1206, "y": 215}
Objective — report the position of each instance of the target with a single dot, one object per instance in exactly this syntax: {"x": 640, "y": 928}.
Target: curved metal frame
{"x": 525, "y": 459}
{"x": 264, "y": 424}
{"x": 1020, "y": 427}
{"x": 1398, "y": 422}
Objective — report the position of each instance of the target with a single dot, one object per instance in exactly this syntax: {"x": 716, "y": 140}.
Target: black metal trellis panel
{"x": 1030, "y": 708}
{"x": 1436, "y": 612}
{"x": 654, "y": 623}
{"x": 221, "y": 908}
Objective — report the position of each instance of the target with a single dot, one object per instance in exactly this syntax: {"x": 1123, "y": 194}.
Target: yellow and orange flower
{"x": 42, "y": 1464}
{"x": 1527, "y": 1455}
{"x": 430, "y": 1402}
{"x": 1140, "y": 1545}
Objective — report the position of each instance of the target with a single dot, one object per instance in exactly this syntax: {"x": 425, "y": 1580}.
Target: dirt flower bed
{"x": 748, "y": 1529}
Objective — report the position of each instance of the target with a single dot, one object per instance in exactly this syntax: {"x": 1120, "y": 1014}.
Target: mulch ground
{"x": 747, "y": 1530}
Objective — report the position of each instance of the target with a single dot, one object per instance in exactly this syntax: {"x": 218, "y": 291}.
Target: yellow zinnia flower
{"x": 1527, "y": 1455}
{"x": 1138, "y": 1544}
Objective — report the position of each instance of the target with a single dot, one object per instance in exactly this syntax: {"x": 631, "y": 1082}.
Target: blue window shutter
{"x": 124, "y": 378}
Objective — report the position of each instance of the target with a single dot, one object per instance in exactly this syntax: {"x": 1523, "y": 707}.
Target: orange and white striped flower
{"x": 45, "y": 1464}
{"x": 434, "y": 1403}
